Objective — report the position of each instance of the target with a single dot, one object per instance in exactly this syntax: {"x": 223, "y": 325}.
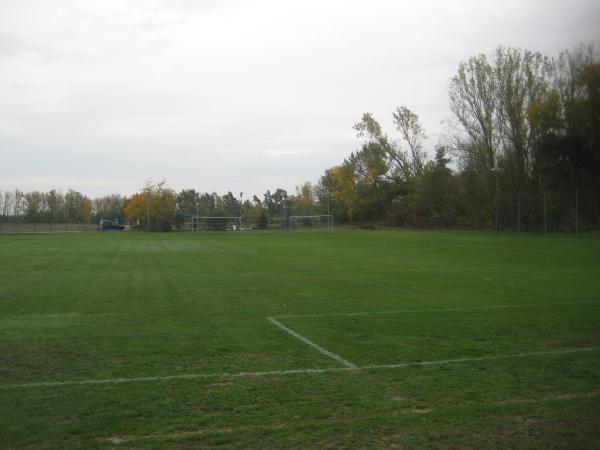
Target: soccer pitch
{"x": 353, "y": 339}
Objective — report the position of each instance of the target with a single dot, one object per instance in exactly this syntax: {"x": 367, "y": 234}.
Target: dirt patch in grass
{"x": 553, "y": 397}
{"x": 222, "y": 384}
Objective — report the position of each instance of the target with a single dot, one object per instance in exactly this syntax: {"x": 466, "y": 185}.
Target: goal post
{"x": 316, "y": 222}
{"x": 221, "y": 223}
{"x": 277, "y": 223}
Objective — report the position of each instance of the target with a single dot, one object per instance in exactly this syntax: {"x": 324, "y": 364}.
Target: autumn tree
{"x": 304, "y": 202}
{"x": 153, "y": 208}
{"x": 386, "y": 170}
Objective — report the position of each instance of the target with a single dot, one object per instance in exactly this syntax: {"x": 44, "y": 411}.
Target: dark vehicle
{"x": 106, "y": 225}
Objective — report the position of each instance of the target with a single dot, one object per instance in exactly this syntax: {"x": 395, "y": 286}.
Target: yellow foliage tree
{"x": 153, "y": 208}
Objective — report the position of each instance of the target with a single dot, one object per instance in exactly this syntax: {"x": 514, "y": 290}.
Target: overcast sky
{"x": 100, "y": 96}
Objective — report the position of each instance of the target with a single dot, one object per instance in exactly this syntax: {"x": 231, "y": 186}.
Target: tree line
{"x": 156, "y": 207}
{"x": 521, "y": 151}
{"x": 55, "y": 206}
{"x": 159, "y": 208}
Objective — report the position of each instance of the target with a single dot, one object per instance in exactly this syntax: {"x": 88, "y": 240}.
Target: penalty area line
{"x": 480, "y": 358}
{"x": 310, "y": 343}
{"x": 275, "y": 373}
{"x": 457, "y": 308}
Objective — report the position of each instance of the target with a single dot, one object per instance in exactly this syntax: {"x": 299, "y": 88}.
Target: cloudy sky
{"x": 100, "y": 96}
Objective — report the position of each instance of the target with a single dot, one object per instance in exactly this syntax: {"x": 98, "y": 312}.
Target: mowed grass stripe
{"x": 370, "y": 339}
{"x": 451, "y": 309}
{"x": 278, "y": 373}
{"x": 126, "y": 305}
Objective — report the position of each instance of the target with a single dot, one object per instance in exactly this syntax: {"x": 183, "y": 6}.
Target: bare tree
{"x": 522, "y": 81}
{"x": 473, "y": 102}
{"x": 19, "y": 203}
{"x": 7, "y": 205}
{"x": 402, "y": 164}
{"x": 407, "y": 122}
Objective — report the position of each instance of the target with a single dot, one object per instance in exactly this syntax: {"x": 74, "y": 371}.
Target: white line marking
{"x": 294, "y": 371}
{"x": 458, "y": 308}
{"x": 173, "y": 377}
{"x": 317, "y": 347}
{"x": 480, "y": 358}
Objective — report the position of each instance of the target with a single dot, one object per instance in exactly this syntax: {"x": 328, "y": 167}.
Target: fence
{"x": 31, "y": 227}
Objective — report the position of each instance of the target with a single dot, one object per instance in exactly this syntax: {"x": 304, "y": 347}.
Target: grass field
{"x": 352, "y": 339}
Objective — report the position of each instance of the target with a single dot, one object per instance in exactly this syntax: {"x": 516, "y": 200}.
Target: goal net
{"x": 277, "y": 223}
{"x": 319, "y": 222}
{"x": 207, "y": 223}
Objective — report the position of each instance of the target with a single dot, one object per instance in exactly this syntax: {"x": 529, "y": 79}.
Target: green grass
{"x": 101, "y": 306}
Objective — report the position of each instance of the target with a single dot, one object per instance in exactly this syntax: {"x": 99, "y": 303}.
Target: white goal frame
{"x": 277, "y": 223}
{"x": 236, "y": 222}
{"x": 327, "y": 219}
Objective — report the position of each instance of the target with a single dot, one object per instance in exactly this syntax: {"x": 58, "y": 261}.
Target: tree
{"x": 35, "y": 207}
{"x": 137, "y": 210}
{"x": 342, "y": 184}
{"x": 76, "y": 206}
{"x": 278, "y": 203}
{"x": 369, "y": 128}
{"x": 490, "y": 101}
{"x": 56, "y": 206}
{"x": 305, "y": 200}
{"x": 522, "y": 81}
{"x": 156, "y": 201}
{"x": 231, "y": 205}
{"x": 7, "y": 203}
{"x": 565, "y": 125}
{"x": 407, "y": 122}
{"x": 254, "y": 213}
{"x": 437, "y": 190}
{"x": 474, "y": 104}
{"x": 109, "y": 207}
{"x": 19, "y": 204}
{"x": 207, "y": 203}
{"x": 187, "y": 203}
{"x": 86, "y": 210}
{"x": 385, "y": 174}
